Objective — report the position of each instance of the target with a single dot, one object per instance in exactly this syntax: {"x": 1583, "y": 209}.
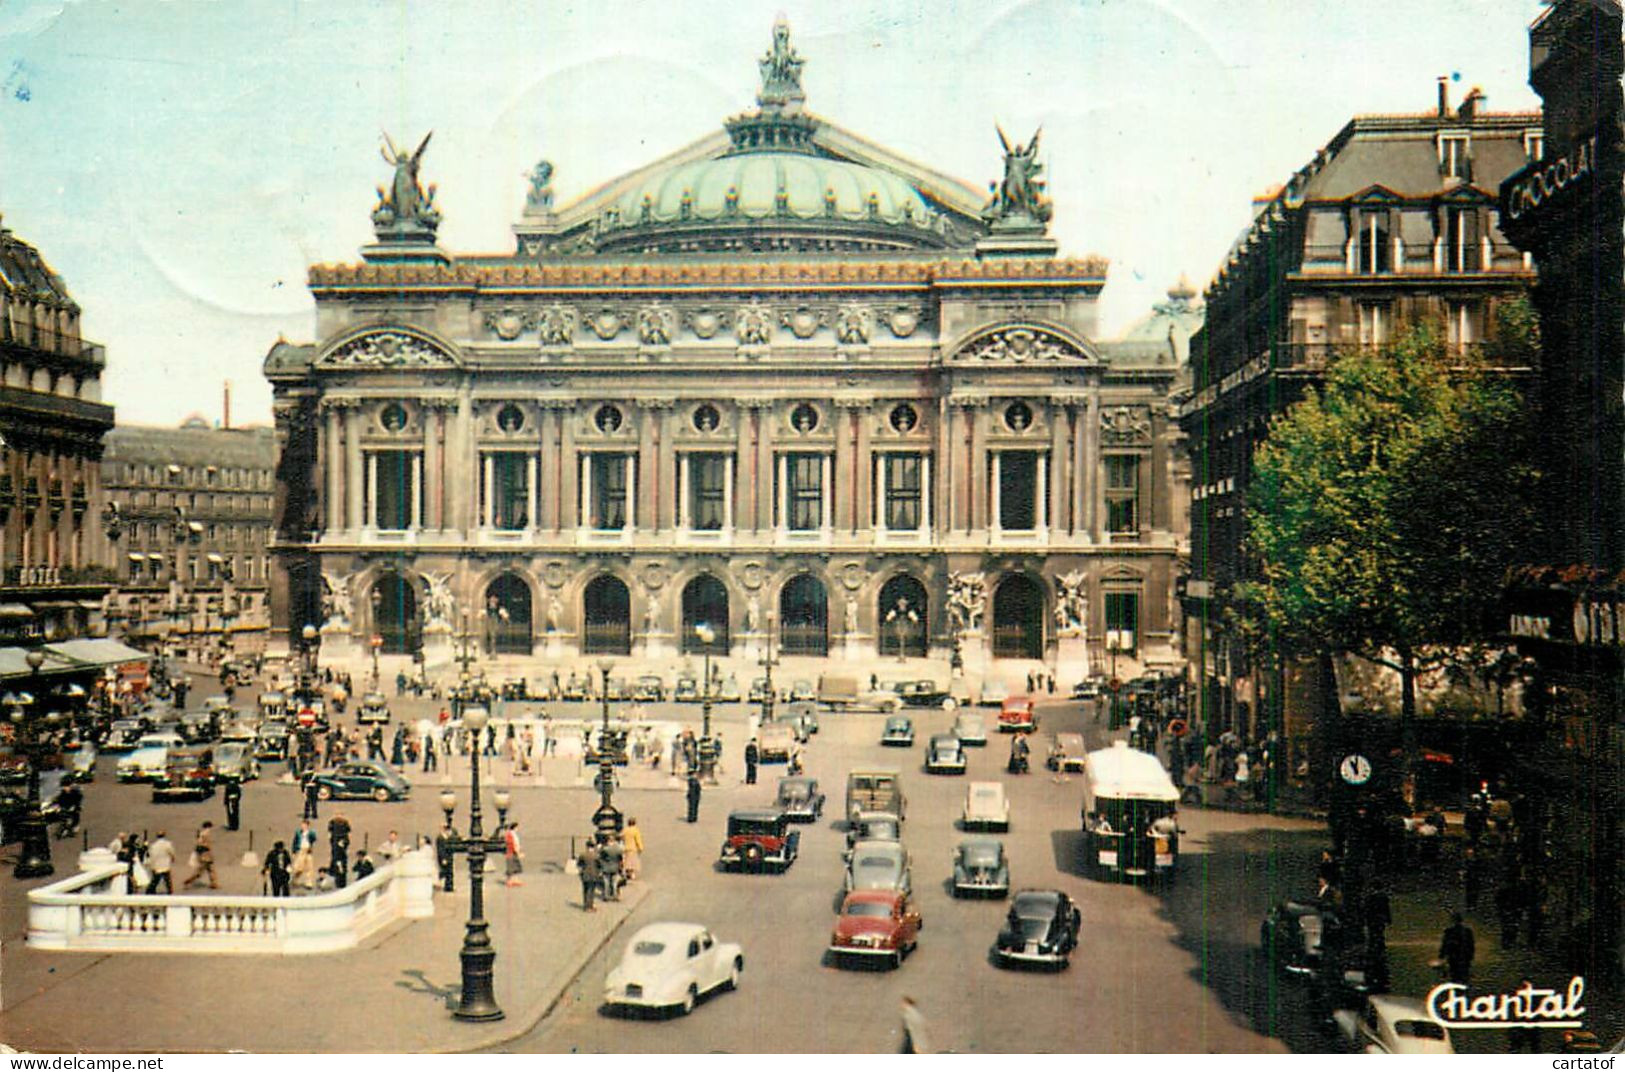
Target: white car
{"x": 994, "y": 693}
{"x": 1389, "y": 1023}
{"x": 971, "y": 729}
{"x": 986, "y": 807}
{"x": 149, "y": 759}
{"x": 669, "y": 965}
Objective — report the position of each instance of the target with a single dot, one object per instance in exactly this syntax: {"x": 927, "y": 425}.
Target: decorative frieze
{"x": 753, "y": 325}
{"x": 508, "y": 323}
{"x": 387, "y": 349}
{"x": 1125, "y": 425}
{"x": 556, "y": 325}
{"x": 1020, "y": 344}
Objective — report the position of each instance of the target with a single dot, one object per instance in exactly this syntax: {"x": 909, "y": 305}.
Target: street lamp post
{"x": 35, "y": 858}
{"x": 377, "y": 634}
{"x": 768, "y": 662}
{"x": 708, "y": 751}
{"x": 606, "y": 819}
{"x": 478, "y": 1003}
{"x": 307, "y": 693}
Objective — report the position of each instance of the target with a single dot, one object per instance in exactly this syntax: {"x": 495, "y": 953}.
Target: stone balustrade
{"x": 93, "y": 912}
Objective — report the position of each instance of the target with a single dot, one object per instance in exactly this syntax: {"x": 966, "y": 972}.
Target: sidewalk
{"x": 389, "y": 996}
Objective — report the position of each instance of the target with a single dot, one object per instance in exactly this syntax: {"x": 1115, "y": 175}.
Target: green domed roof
{"x": 758, "y": 185}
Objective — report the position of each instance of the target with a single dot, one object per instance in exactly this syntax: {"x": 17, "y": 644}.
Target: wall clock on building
{"x": 1355, "y": 769}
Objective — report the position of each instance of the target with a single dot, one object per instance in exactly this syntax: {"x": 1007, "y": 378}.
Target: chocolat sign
{"x": 1526, "y": 191}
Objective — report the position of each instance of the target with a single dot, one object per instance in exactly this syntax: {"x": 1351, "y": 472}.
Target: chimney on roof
{"x": 1469, "y": 107}
{"x": 225, "y": 416}
{"x": 1444, "y": 97}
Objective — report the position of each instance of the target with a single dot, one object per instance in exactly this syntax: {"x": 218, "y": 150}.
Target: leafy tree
{"x": 1387, "y": 506}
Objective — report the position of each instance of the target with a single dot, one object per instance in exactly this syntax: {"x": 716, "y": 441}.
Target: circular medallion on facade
{"x": 507, "y": 324}
{"x": 803, "y": 322}
{"x": 654, "y": 576}
{"x": 751, "y": 575}
{"x": 606, "y": 324}
{"x": 608, "y": 419}
{"x": 904, "y": 417}
{"x": 804, "y": 418}
{"x": 706, "y": 418}
{"x": 705, "y": 323}
{"x": 902, "y": 323}
{"x": 510, "y": 418}
{"x": 852, "y": 575}
{"x": 1018, "y": 416}
{"x": 393, "y": 417}
{"x": 554, "y": 574}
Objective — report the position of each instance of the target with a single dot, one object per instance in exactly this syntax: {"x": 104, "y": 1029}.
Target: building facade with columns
{"x": 780, "y": 382}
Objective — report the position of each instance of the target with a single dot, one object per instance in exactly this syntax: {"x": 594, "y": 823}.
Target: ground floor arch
{"x": 606, "y": 617}
{"x": 705, "y": 602}
{"x": 903, "y": 617}
{"x": 508, "y": 616}
{"x": 804, "y": 616}
{"x": 395, "y": 614}
{"x": 1018, "y": 618}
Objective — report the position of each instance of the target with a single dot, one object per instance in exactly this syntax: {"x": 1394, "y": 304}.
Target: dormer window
{"x": 1534, "y": 144}
{"x": 1453, "y": 162}
{"x": 1373, "y": 252}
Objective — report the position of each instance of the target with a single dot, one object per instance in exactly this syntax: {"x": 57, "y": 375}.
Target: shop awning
{"x": 96, "y": 651}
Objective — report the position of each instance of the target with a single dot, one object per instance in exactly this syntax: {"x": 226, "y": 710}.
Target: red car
{"x": 877, "y": 924}
{"x": 1018, "y": 715}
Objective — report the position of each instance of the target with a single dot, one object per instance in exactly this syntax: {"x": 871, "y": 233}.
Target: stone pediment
{"x": 1023, "y": 343}
{"x": 387, "y": 348}
{"x": 1376, "y": 194}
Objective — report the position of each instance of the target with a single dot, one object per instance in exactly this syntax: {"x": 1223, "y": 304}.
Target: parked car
{"x": 188, "y": 774}
{"x": 273, "y": 705}
{"x": 234, "y": 762}
{"x": 1290, "y": 937}
{"x": 671, "y": 965}
{"x": 994, "y": 693}
{"x": 870, "y": 791}
{"x": 576, "y": 688}
{"x": 879, "y": 865}
{"x": 1389, "y": 1023}
{"x": 1040, "y": 928}
{"x": 980, "y": 868}
{"x": 1090, "y": 688}
{"x": 122, "y": 735}
{"x": 687, "y": 690}
{"x": 758, "y": 690}
{"x": 775, "y": 741}
{"x": 800, "y": 799}
{"x": 362, "y": 779}
{"x": 986, "y": 807}
{"x": 876, "y": 924}
{"x": 806, "y": 712}
{"x": 1018, "y": 715}
{"x": 926, "y": 693}
{"x": 899, "y": 732}
{"x": 971, "y": 729}
{"x": 1067, "y": 752}
{"x": 872, "y": 826}
{"x": 802, "y": 690}
{"x": 759, "y": 838}
{"x": 146, "y": 762}
{"x": 649, "y": 689}
{"x": 847, "y": 692}
{"x": 273, "y": 740}
{"x": 616, "y": 689}
{"x": 944, "y": 754}
{"x": 614, "y": 744}
{"x": 374, "y": 709}
{"x": 727, "y": 690}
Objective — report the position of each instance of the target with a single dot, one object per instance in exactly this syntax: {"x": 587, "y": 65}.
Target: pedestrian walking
{"x": 203, "y": 858}
{"x": 278, "y": 869}
{"x": 311, "y": 793}
{"x": 610, "y": 862}
{"x": 233, "y": 796}
{"x": 160, "y": 861}
{"x": 914, "y": 1036}
{"x": 589, "y": 874}
{"x": 397, "y": 748}
{"x": 431, "y": 749}
{"x": 1456, "y": 949}
{"x": 693, "y": 796}
{"x": 632, "y": 859}
{"x": 304, "y": 855}
{"x": 338, "y": 840}
{"x": 513, "y": 854}
{"x": 753, "y": 756}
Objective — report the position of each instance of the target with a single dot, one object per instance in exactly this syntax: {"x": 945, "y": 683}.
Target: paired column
{"x": 333, "y": 517}
{"x": 354, "y": 479}
{"x": 1092, "y": 466}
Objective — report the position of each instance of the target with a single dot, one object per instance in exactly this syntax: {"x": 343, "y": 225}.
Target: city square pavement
{"x": 1158, "y": 969}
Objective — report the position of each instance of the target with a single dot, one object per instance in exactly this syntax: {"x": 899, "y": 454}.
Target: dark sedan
{"x": 1290, "y": 937}
{"x": 1041, "y": 928}
{"x": 362, "y": 780}
{"x": 800, "y": 799}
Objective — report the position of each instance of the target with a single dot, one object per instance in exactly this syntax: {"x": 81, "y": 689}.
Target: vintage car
{"x": 670, "y": 966}
{"x": 727, "y": 690}
{"x": 234, "y": 672}
{"x": 872, "y": 826}
{"x": 758, "y": 690}
{"x": 1090, "y": 688}
{"x": 879, "y": 865}
{"x": 806, "y": 713}
{"x": 759, "y": 838}
{"x": 188, "y": 775}
{"x": 615, "y": 744}
{"x": 980, "y": 868}
{"x": 1067, "y": 752}
{"x": 80, "y": 764}
{"x": 1017, "y": 715}
{"x": 899, "y": 732}
{"x": 575, "y": 688}
{"x": 800, "y": 799}
{"x": 374, "y": 708}
{"x": 273, "y": 704}
{"x": 617, "y": 689}
{"x": 986, "y": 807}
{"x": 874, "y": 790}
{"x": 775, "y": 741}
{"x": 994, "y": 693}
{"x": 875, "y": 925}
{"x": 1289, "y": 937}
{"x": 802, "y": 690}
{"x": 122, "y": 735}
{"x": 971, "y": 729}
{"x": 1041, "y": 928}
{"x": 201, "y": 727}
{"x": 272, "y": 742}
{"x": 687, "y": 690}
{"x": 944, "y": 754}
{"x": 146, "y": 762}
{"x": 1388, "y": 1023}
{"x": 234, "y": 762}
{"x": 362, "y": 779}
{"x": 649, "y": 689}
{"x": 925, "y": 693}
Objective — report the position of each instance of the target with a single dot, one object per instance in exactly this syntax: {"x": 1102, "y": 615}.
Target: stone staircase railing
{"x": 92, "y": 912}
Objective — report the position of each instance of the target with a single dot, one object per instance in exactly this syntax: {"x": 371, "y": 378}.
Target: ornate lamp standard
{"x": 708, "y": 748}
{"x": 900, "y": 616}
{"x": 310, "y": 639}
{"x": 35, "y": 859}
{"x": 768, "y": 663}
{"x": 478, "y": 1002}
{"x": 606, "y": 819}
{"x": 377, "y": 636}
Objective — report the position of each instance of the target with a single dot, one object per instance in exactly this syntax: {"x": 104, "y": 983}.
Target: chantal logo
{"x": 1528, "y": 1006}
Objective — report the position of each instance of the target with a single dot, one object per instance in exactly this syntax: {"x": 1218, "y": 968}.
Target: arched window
{"x": 507, "y": 616}
{"x": 804, "y": 614}
{"x": 395, "y": 611}
{"x": 606, "y": 617}
{"x": 1018, "y": 618}
{"x": 903, "y": 612}
{"x": 705, "y": 601}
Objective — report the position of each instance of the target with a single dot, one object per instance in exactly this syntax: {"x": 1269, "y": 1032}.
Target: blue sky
{"x": 181, "y": 163}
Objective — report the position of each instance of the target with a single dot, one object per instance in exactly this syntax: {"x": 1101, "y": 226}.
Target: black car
{"x": 800, "y": 799}
{"x": 1041, "y": 928}
{"x": 1290, "y": 937}
{"x": 362, "y": 780}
